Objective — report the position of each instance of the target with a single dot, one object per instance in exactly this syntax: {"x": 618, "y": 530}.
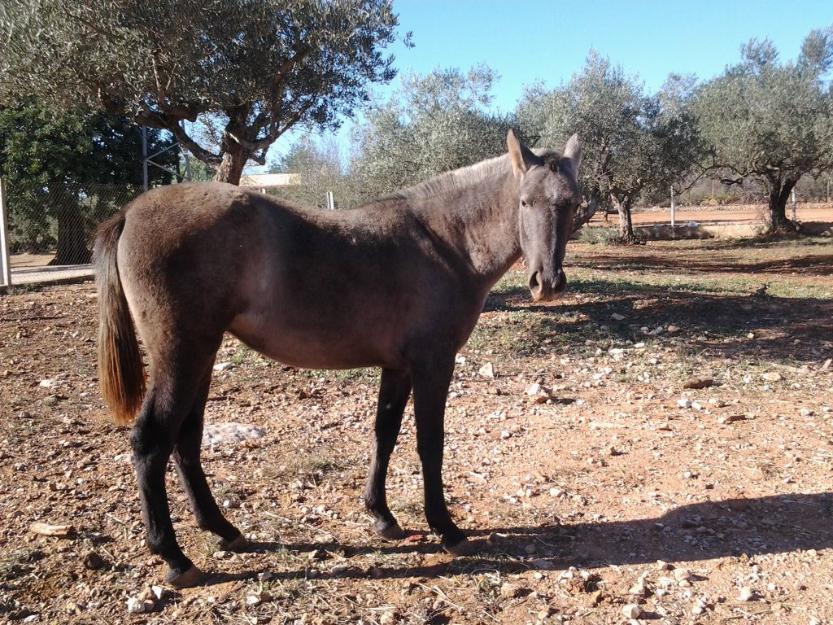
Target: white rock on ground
{"x": 230, "y": 433}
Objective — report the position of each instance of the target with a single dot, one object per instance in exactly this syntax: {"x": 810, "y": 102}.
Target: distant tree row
{"x": 761, "y": 125}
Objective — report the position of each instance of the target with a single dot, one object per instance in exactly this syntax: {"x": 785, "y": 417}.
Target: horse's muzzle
{"x": 545, "y": 290}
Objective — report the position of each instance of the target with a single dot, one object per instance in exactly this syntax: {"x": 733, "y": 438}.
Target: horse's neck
{"x": 479, "y": 220}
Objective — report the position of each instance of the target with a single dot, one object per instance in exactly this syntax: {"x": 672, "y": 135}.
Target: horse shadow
{"x": 695, "y": 532}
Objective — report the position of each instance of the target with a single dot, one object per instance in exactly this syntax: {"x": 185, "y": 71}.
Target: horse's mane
{"x": 461, "y": 178}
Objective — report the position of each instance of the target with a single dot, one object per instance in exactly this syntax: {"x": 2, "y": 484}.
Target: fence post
{"x": 673, "y": 214}
{"x": 4, "y": 237}
{"x": 144, "y": 158}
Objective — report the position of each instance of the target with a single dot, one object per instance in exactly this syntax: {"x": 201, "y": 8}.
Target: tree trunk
{"x": 584, "y": 213}
{"x": 231, "y": 167}
{"x": 626, "y": 234}
{"x": 777, "y": 220}
{"x": 72, "y": 236}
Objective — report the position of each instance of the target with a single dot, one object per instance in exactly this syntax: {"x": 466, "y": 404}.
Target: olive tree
{"x": 320, "y": 167}
{"x": 632, "y": 142}
{"x": 434, "y": 123}
{"x": 254, "y": 67}
{"x": 770, "y": 122}
{"x": 65, "y": 172}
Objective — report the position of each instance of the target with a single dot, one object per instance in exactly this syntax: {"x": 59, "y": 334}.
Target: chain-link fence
{"x": 50, "y": 229}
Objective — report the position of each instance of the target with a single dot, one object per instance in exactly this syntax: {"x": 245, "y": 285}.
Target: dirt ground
{"x": 595, "y": 481}
{"x": 735, "y": 213}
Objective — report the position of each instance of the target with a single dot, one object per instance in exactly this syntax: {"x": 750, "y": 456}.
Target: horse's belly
{"x": 309, "y": 347}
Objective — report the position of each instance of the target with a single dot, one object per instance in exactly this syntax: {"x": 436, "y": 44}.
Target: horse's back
{"x": 183, "y": 254}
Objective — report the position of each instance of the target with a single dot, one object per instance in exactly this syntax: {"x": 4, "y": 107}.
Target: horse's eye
{"x": 524, "y": 203}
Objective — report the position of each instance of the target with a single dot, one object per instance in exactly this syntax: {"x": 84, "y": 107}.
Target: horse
{"x": 398, "y": 283}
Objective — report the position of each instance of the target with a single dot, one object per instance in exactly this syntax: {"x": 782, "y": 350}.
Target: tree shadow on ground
{"x": 811, "y": 264}
{"x": 694, "y": 532}
{"x": 783, "y": 329}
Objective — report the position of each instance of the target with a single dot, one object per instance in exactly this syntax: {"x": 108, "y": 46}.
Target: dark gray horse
{"x": 397, "y": 284}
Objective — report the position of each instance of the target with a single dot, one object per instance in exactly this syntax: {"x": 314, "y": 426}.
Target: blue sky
{"x": 527, "y": 41}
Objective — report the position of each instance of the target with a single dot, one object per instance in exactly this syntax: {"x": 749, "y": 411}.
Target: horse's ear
{"x": 521, "y": 156}
{"x": 572, "y": 152}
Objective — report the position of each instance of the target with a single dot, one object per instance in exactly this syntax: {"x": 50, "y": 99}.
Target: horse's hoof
{"x": 240, "y": 543}
{"x": 463, "y": 547}
{"x": 390, "y": 531}
{"x": 191, "y": 577}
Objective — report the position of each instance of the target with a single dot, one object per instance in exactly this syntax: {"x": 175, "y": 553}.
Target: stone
{"x": 617, "y": 317}
{"x": 772, "y": 376}
{"x": 746, "y": 594}
{"x": 253, "y": 600}
{"x": 632, "y": 610}
{"x": 533, "y": 389}
{"x": 388, "y": 617}
{"x": 672, "y": 329}
{"x": 223, "y": 366}
{"x": 683, "y": 577}
{"x": 49, "y": 529}
{"x": 727, "y": 419}
{"x": 508, "y": 590}
{"x": 640, "y": 588}
{"x": 93, "y": 561}
{"x": 684, "y": 402}
{"x": 159, "y": 592}
{"x": 699, "y": 383}
{"x": 135, "y": 605}
{"x": 487, "y": 371}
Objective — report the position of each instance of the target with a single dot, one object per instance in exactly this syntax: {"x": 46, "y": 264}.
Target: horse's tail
{"x": 120, "y": 369}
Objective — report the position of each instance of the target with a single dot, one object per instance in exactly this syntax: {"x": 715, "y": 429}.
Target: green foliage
{"x": 258, "y": 66}
{"x": 320, "y": 168}
{"x": 771, "y": 122}
{"x": 64, "y": 173}
{"x": 599, "y": 236}
{"x": 434, "y": 123}
{"x": 631, "y": 142}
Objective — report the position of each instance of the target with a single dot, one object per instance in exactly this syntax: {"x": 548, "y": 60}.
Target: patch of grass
{"x": 599, "y": 236}
{"x": 368, "y": 375}
{"x": 312, "y": 467}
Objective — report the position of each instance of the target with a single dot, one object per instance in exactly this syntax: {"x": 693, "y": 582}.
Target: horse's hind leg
{"x": 173, "y": 389}
{"x": 187, "y": 457}
{"x": 394, "y": 390}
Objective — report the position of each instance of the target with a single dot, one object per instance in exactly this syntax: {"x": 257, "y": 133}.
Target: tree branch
{"x": 159, "y": 120}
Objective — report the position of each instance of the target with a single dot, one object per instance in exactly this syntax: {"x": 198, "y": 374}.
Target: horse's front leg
{"x": 431, "y": 380}
{"x": 394, "y": 390}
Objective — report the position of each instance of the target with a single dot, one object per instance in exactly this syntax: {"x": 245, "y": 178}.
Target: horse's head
{"x": 548, "y": 197}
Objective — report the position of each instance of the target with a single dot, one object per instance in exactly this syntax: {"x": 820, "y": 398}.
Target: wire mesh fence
{"x": 50, "y": 229}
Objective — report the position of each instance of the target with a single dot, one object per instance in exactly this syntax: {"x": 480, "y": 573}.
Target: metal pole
{"x": 4, "y": 237}
{"x": 794, "y": 217}
{"x": 331, "y": 204}
{"x": 145, "y": 158}
{"x": 673, "y": 213}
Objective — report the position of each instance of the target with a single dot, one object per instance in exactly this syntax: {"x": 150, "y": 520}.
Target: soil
{"x": 675, "y": 406}
{"x": 734, "y": 213}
